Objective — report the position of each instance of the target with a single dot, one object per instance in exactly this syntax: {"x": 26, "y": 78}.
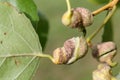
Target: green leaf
{"x": 17, "y": 36}
{"x": 26, "y": 6}
{"x": 108, "y": 32}
{"x": 39, "y": 22}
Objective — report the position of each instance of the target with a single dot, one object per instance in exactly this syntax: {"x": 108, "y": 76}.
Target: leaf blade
{"x": 17, "y": 36}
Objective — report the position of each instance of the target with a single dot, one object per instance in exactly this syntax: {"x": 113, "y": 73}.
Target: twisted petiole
{"x": 105, "y": 21}
{"x": 40, "y": 55}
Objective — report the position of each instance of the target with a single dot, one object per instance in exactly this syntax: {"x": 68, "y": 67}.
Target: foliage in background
{"x": 100, "y": 1}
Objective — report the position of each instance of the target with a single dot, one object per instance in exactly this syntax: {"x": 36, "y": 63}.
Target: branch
{"x": 106, "y": 7}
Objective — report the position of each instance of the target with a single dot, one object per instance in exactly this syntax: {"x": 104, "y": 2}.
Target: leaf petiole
{"x": 68, "y": 5}
{"x": 105, "y": 21}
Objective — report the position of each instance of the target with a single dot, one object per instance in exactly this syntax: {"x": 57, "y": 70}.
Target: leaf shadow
{"x": 42, "y": 29}
{"x": 108, "y": 32}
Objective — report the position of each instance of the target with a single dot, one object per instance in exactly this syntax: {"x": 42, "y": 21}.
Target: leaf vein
{"x": 25, "y": 67}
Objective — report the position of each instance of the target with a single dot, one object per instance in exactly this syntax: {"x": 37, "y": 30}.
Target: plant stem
{"x": 41, "y": 55}
{"x": 105, "y": 21}
{"x": 108, "y": 6}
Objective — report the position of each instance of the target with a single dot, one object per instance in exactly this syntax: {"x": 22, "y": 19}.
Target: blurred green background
{"x": 58, "y": 33}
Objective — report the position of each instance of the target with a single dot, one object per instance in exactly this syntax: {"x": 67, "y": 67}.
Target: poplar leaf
{"x": 17, "y": 36}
